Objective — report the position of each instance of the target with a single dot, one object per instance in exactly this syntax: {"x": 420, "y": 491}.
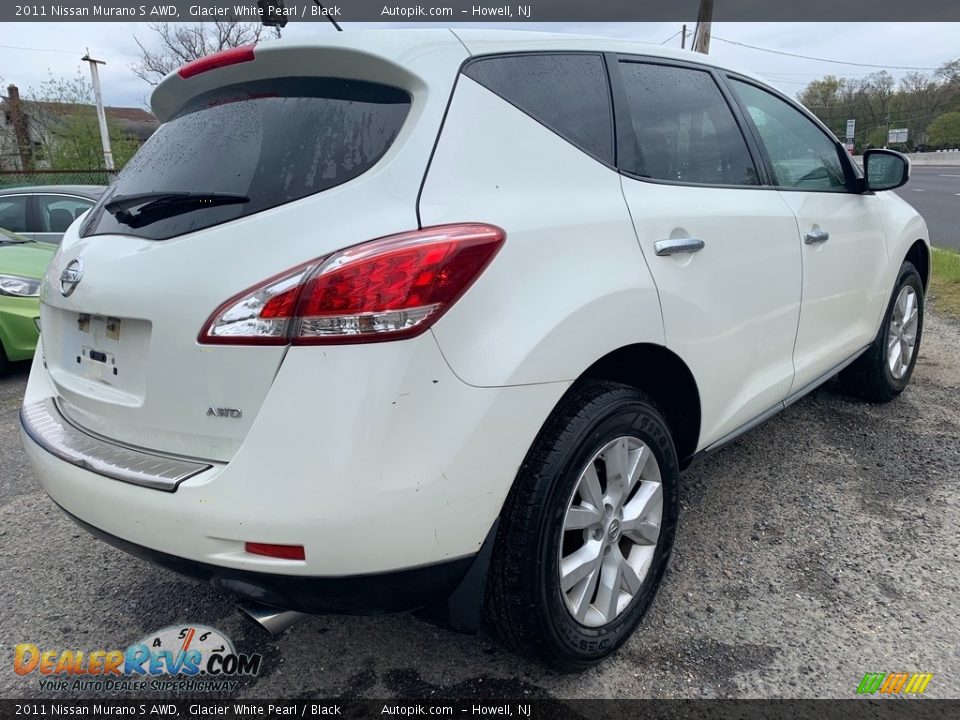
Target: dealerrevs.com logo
{"x": 184, "y": 658}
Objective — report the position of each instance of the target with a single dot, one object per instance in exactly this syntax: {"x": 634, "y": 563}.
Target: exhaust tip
{"x": 273, "y": 620}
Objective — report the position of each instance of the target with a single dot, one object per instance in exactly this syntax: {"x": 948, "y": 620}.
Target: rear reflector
{"x": 391, "y": 288}
{"x": 284, "y": 552}
{"x": 233, "y": 56}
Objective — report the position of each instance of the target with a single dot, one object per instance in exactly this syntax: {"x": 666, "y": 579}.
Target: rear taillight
{"x": 233, "y": 56}
{"x": 387, "y": 289}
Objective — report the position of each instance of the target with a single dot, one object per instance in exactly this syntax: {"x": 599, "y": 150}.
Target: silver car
{"x": 45, "y": 212}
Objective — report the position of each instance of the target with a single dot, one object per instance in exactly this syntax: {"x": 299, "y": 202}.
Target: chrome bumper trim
{"x": 48, "y": 428}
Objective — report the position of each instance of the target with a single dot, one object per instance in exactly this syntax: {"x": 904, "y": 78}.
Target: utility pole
{"x": 21, "y": 127}
{"x": 701, "y": 36}
{"x": 101, "y": 115}
{"x": 683, "y": 37}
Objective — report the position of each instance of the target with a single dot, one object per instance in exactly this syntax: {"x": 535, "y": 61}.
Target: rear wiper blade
{"x": 128, "y": 202}
{"x": 159, "y": 205}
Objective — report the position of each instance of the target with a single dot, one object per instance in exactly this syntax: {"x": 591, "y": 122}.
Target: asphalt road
{"x": 819, "y": 547}
{"x": 935, "y": 192}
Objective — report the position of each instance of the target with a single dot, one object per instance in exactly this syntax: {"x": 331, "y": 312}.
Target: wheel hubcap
{"x": 610, "y": 531}
{"x": 902, "y": 332}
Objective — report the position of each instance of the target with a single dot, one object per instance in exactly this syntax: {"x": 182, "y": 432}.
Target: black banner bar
{"x": 892, "y": 709}
{"x": 458, "y": 11}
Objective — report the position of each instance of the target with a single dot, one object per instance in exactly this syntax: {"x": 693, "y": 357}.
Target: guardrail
{"x": 945, "y": 158}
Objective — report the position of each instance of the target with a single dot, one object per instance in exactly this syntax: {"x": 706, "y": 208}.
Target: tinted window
{"x": 684, "y": 128}
{"x": 801, "y": 154}
{"x": 262, "y": 143}
{"x": 13, "y": 213}
{"x": 567, "y": 93}
{"x": 57, "y": 212}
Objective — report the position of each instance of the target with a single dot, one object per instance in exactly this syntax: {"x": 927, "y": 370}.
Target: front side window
{"x": 684, "y": 128}
{"x": 802, "y": 155}
{"x": 567, "y": 93}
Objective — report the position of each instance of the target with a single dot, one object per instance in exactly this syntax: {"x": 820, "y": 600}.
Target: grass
{"x": 945, "y": 284}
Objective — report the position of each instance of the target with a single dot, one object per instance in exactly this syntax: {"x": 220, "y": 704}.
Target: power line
{"x": 819, "y": 59}
{"x": 780, "y": 81}
{"x": 17, "y": 47}
{"x": 817, "y": 75}
{"x": 671, "y": 37}
{"x": 913, "y": 118}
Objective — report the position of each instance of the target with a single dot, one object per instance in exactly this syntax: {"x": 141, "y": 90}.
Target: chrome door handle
{"x": 815, "y": 237}
{"x": 678, "y": 245}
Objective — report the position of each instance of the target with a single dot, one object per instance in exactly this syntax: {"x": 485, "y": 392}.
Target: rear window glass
{"x": 568, "y": 93}
{"x": 245, "y": 148}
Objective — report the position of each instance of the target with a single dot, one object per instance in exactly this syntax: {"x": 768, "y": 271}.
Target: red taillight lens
{"x": 386, "y": 289}
{"x": 284, "y": 552}
{"x": 233, "y": 56}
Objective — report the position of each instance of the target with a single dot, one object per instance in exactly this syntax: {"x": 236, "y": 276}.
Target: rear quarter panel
{"x": 570, "y": 283}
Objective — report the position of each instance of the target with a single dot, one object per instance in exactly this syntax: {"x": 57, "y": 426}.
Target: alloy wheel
{"x": 902, "y": 332}
{"x": 610, "y": 531}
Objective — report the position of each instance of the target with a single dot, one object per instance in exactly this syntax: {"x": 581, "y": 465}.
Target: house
{"x": 25, "y": 126}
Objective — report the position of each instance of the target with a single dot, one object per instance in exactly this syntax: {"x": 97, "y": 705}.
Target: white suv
{"x": 433, "y": 320}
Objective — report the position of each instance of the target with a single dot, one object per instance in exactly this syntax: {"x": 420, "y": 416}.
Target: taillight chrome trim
{"x": 44, "y": 424}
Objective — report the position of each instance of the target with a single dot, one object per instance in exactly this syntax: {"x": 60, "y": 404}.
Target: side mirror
{"x": 885, "y": 169}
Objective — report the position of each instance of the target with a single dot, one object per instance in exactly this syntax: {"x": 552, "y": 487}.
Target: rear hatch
{"x": 255, "y": 170}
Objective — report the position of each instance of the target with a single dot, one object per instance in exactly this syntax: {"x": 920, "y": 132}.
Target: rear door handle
{"x": 678, "y": 245}
{"x": 816, "y": 236}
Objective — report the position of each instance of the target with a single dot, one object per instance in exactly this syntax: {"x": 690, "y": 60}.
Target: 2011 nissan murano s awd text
{"x": 433, "y": 320}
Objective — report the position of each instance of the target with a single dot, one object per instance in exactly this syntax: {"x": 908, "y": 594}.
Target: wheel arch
{"x": 919, "y": 255}
{"x": 665, "y": 377}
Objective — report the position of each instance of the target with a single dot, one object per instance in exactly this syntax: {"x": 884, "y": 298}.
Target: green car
{"x": 22, "y": 264}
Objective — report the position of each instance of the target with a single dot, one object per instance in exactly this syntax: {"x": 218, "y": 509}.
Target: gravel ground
{"x": 817, "y": 548}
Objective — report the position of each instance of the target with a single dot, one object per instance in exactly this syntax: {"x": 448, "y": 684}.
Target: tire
{"x": 871, "y": 376}
{"x": 525, "y": 607}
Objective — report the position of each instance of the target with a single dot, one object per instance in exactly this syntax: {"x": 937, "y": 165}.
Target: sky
{"x": 48, "y": 48}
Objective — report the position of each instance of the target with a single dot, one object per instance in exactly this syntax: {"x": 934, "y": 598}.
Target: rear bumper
{"x": 349, "y": 595}
{"x": 48, "y": 428}
{"x": 394, "y": 466}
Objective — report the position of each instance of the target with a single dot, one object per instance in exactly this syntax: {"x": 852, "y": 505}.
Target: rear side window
{"x": 245, "y": 148}
{"x": 568, "y": 93}
{"x": 685, "y": 130}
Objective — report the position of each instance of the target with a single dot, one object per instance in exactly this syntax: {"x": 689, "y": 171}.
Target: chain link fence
{"x": 24, "y": 178}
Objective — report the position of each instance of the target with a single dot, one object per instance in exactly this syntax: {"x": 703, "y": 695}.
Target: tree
{"x": 64, "y": 119}
{"x": 949, "y": 72}
{"x": 179, "y": 43}
{"x": 877, "y": 102}
{"x": 824, "y": 97}
{"x": 945, "y": 130}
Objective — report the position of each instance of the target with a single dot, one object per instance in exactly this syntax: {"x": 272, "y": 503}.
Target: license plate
{"x": 96, "y": 354}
